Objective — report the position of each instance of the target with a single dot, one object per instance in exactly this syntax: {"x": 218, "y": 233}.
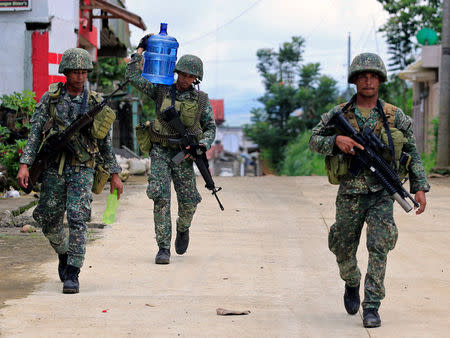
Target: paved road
{"x": 267, "y": 253}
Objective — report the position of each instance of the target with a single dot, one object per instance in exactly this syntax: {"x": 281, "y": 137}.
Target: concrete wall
{"x": 62, "y": 34}
{"x": 12, "y": 42}
{"x": 15, "y": 40}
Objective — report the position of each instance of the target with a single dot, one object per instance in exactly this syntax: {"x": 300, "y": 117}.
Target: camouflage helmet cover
{"x": 75, "y": 58}
{"x": 367, "y": 62}
{"x": 190, "y": 64}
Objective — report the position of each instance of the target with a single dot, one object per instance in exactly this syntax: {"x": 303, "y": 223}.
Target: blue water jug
{"x": 160, "y": 57}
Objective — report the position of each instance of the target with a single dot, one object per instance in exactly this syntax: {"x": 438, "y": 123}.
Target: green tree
{"x": 397, "y": 92}
{"x": 406, "y": 18}
{"x": 106, "y": 71}
{"x": 289, "y": 87}
{"x": 316, "y": 94}
{"x": 280, "y": 66}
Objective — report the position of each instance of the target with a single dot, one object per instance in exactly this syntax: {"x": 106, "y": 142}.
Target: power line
{"x": 223, "y": 25}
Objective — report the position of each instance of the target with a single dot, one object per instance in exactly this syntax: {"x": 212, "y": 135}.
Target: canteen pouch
{"x": 143, "y": 137}
{"x": 100, "y": 178}
{"x": 336, "y": 166}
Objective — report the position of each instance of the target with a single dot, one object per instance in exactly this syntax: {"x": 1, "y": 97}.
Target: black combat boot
{"x": 351, "y": 299}
{"x": 371, "y": 318}
{"x": 163, "y": 256}
{"x": 182, "y": 242}
{"x": 71, "y": 284}
{"x": 62, "y": 266}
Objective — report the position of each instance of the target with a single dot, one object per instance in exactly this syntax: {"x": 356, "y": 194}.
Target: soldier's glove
{"x": 102, "y": 123}
{"x": 143, "y": 42}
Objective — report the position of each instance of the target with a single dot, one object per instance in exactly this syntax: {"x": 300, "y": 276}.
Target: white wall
{"x": 64, "y": 22}
{"x": 12, "y": 44}
{"x": 231, "y": 138}
{"x": 14, "y": 49}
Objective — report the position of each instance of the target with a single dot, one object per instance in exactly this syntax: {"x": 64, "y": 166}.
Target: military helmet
{"x": 75, "y": 58}
{"x": 367, "y": 62}
{"x": 190, "y": 64}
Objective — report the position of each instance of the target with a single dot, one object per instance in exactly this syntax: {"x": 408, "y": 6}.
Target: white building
{"x": 35, "y": 33}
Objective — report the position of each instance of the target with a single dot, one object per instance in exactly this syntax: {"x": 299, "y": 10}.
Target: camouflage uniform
{"x": 68, "y": 189}
{"x": 362, "y": 199}
{"x": 162, "y": 167}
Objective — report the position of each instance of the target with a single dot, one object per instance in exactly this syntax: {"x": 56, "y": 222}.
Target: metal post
{"x": 348, "y": 60}
{"x": 443, "y": 155}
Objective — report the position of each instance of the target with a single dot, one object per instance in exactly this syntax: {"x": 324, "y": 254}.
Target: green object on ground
{"x": 111, "y": 206}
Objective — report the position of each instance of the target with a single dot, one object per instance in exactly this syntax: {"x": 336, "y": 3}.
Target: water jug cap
{"x": 163, "y": 29}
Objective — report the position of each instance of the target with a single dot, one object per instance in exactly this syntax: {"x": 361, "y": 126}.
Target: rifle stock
{"x": 59, "y": 142}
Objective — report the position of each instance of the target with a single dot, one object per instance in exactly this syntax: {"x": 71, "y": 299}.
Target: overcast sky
{"x": 227, "y": 34}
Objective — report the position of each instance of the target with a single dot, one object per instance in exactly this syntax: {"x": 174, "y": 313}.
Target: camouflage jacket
{"x": 67, "y": 109}
{"x": 323, "y": 140}
{"x": 207, "y": 122}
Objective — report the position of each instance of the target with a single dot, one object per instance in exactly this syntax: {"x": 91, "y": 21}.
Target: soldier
{"x": 197, "y": 116}
{"x": 362, "y": 199}
{"x": 67, "y": 182}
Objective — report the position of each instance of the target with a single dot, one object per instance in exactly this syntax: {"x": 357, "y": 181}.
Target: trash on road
{"x": 225, "y": 312}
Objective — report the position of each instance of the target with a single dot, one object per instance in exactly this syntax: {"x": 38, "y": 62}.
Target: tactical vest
{"x": 337, "y": 166}
{"x": 190, "y": 113}
{"x": 85, "y": 146}
{"x": 389, "y": 111}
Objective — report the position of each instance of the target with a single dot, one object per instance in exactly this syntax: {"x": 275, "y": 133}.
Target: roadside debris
{"x": 28, "y": 228}
{"x": 225, "y": 312}
{"x": 11, "y": 193}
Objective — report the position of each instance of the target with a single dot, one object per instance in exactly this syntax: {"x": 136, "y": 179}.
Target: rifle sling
{"x": 388, "y": 132}
{"x": 385, "y": 124}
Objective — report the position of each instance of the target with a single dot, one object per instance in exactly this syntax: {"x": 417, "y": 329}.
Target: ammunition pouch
{"x": 336, "y": 166}
{"x": 102, "y": 123}
{"x": 143, "y": 137}
{"x": 100, "y": 178}
{"x": 78, "y": 148}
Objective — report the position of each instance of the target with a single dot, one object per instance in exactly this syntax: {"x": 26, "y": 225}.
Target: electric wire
{"x": 223, "y": 25}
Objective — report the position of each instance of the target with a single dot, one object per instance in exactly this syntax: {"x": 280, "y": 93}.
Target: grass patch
{"x": 299, "y": 160}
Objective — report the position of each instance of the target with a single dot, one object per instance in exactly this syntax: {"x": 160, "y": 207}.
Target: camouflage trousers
{"x": 376, "y": 209}
{"x": 69, "y": 192}
{"x": 162, "y": 172}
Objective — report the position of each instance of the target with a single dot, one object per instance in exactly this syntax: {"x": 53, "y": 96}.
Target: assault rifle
{"x": 172, "y": 117}
{"x": 370, "y": 158}
{"x": 59, "y": 142}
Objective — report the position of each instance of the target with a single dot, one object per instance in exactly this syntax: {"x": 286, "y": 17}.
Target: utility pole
{"x": 349, "y": 43}
{"x": 443, "y": 155}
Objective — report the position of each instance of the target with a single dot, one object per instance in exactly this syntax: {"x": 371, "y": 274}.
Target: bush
{"x": 10, "y": 155}
{"x": 300, "y": 161}
{"x": 22, "y": 102}
{"x": 16, "y": 110}
{"x": 429, "y": 161}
